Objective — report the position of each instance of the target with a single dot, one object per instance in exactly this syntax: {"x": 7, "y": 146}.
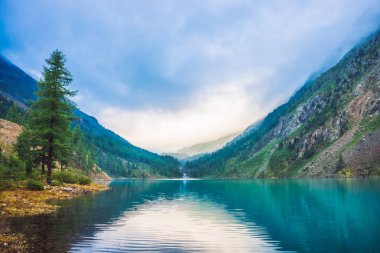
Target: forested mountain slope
{"x": 330, "y": 127}
{"x": 112, "y": 153}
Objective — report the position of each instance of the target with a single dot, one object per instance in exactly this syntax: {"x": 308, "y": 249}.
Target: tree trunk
{"x": 28, "y": 167}
{"x": 43, "y": 164}
{"x": 49, "y": 161}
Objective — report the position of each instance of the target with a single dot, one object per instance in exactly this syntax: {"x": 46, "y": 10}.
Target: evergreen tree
{"x": 79, "y": 150}
{"x": 51, "y": 114}
{"x": 24, "y": 149}
{"x": 15, "y": 115}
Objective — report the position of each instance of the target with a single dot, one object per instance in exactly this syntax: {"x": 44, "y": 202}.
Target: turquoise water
{"x": 318, "y": 215}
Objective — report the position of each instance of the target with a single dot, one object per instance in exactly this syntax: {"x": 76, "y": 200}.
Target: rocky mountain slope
{"x": 330, "y": 127}
{"x": 114, "y": 154}
{"x": 9, "y": 133}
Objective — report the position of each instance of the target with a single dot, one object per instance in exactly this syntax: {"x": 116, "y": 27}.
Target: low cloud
{"x": 166, "y": 74}
{"x": 211, "y": 114}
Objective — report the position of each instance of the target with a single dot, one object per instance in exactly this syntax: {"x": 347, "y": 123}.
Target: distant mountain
{"x": 246, "y": 132}
{"x": 328, "y": 128}
{"x": 115, "y": 155}
{"x": 203, "y": 148}
{"x": 15, "y": 84}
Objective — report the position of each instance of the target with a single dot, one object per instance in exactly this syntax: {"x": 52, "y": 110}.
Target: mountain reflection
{"x": 215, "y": 215}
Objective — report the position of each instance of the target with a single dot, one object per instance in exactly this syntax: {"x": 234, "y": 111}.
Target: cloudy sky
{"x": 167, "y": 74}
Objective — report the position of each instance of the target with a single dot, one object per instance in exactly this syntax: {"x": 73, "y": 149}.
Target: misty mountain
{"x": 115, "y": 155}
{"x": 330, "y": 127}
{"x": 199, "y": 149}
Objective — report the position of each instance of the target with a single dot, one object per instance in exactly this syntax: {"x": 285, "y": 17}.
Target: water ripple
{"x": 176, "y": 225}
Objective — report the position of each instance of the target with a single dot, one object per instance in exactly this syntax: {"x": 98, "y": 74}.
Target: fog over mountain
{"x": 169, "y": 74}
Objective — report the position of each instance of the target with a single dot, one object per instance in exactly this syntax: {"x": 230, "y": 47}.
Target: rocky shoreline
{"x": 23, "y": 202}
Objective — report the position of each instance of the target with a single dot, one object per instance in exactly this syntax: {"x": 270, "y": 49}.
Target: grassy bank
{"x": 23, "y": 201}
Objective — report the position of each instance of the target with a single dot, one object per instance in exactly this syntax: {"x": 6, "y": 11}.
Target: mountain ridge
{"x": 199, "y": 149}
{"x": 317, "y": 116}
{"x": 115, "y": 155}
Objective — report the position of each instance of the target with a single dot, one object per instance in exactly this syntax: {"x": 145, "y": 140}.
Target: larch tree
{"x": 51, "y": 114}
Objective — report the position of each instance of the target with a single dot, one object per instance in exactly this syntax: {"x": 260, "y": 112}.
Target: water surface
{"x": 295, "y": 215}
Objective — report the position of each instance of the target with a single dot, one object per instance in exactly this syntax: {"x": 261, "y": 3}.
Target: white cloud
{"x": 166, "y": 74}
{"x": 34, "y": 73}
{"x": 211, "y": 114}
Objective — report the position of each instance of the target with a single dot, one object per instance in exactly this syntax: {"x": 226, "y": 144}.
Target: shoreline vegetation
{"x": 22, "y": 202}
{"x": 42, "y": 155}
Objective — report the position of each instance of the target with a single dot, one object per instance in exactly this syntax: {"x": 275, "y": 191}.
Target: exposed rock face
{"x": 99, "y": 175}
{"x": 358, "y": 111}
{"x": 364, "y": 157}
{"x": 292, "y": 122}
{"x": 9, "y": 133}
{"x": 336, "y": 116}
{"x": 373, "y": 107}
{"x": 354, "y": 108}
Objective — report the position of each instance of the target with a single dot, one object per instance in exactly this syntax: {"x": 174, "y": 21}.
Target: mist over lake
{"x": 189, "y": 126}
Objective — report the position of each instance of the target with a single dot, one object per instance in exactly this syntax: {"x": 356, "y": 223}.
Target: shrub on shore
{"x": 35, "y": 185}
{"x": 83, "y": 180}
{"x": 7, "y": 185}
{"x": 11, "y": 168}
{"x": 71, "y": 176}
{"x": 65, "y": 176}
{"x": 56, "y": 183}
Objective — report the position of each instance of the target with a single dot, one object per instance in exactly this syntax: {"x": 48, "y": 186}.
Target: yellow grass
{"x": 13, "y": 243}
{"x": 24, "y": 202}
